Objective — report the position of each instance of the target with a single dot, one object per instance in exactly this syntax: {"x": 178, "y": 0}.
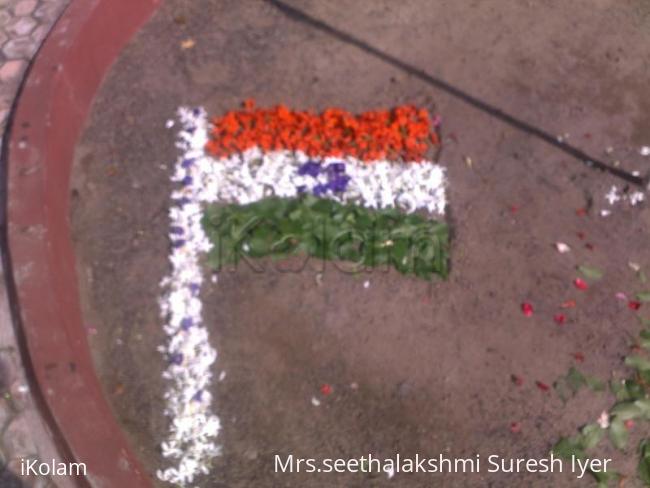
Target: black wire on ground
{"x": 300, "y": 16}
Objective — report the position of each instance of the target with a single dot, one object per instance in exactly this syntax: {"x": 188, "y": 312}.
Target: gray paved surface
{"x": 23, "y": 434}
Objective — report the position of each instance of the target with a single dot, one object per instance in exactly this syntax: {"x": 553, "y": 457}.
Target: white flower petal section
{"x": 253, "y": 175}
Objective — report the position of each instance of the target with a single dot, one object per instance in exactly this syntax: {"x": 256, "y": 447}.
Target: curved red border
{"x": 46, "y": 123}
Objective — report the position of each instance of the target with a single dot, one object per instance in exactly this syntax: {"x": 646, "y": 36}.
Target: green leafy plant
{"x": 632, "y": 404}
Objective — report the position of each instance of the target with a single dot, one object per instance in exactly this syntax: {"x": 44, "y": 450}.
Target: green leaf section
{"x": 590, "y": 272}
{"x": 643, "y": 296}
{"x": 326, "y": 229}
{"x": 567, "y": 386}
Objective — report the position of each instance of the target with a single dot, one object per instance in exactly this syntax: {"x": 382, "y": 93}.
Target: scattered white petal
{"x": 636, "y": 267}
{"x": 390, "y": 472}
{"x": 612, "y": 196}
{"x": 222, "y": 376}
{"x": 315, "y": 401}
{"x": 636, "y": 197}
{"x": 169, "y": 124}
{"x": 562, "y": 247}
{"x": 644, "y": 151}
{"x": 605, "y": 213}
{"x": 366, "y": 284}
{"x": 603, "y": 420}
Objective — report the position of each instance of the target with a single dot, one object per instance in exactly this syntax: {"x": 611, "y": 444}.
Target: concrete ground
{"x": 23, "y": 433}
{"x": 432, "y": 365}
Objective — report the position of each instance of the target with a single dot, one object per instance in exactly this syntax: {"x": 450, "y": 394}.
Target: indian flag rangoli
{"x": 277, "y": 182}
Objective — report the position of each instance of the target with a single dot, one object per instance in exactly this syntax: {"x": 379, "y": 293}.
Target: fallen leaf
{"x": 643, "y": 296}
{"x": 590, "y": 272}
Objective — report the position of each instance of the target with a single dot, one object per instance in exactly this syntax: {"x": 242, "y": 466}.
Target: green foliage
{"x": 590, "y": 272}
{"x": 326, "y": 229}
{"x": 643, "y": 469}
{"x": 643, "y": 296}
{"x": 567, "y": 386}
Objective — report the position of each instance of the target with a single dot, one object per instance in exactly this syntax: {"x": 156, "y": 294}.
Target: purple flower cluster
{"x": 337, "y": 180}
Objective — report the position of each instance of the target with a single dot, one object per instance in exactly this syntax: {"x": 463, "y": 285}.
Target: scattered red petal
{"x": 581, "y": 235}
{"x": 590, "y": 246}
{"x": 587, "y": 135}
{"x": 578, "y": 356}
{"x": 629, "y": 423}
{"x": 517, "y": 380}
{"x": 634, "y": 305}
{"x": 580, "y": 284}
{"x": 581, "y": 212}
{"x": 527, "y": 309}
{"x": 542, "y": 386}
{"x": 515, "y": 427}
{"x": 514, "y": 209}
{"x": 325, "y": 389}
{"x": 569, "y": 304}
{"x": 559, "y": 318}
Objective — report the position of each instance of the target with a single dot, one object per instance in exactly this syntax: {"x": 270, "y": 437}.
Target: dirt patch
{"x": 432, "y": 362}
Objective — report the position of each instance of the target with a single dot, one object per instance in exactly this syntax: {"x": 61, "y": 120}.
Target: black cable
{"x": 300, "y": 16}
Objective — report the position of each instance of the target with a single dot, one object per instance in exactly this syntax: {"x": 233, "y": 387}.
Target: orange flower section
{"x": 404, "y": 132}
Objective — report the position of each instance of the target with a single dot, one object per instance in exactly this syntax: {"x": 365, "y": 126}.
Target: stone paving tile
{"x": 23, "y": 433}
{"x": 20, "y": 26}
{"x": 25, "y": 7}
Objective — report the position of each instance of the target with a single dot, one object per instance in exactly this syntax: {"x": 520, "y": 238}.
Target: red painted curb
{"x": 47, "y": 121}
